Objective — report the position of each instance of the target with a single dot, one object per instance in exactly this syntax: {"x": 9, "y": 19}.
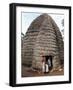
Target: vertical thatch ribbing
{"x": 42, "y": 38}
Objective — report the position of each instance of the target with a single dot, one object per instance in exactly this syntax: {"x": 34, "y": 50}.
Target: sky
{"x": 28, "y": 17}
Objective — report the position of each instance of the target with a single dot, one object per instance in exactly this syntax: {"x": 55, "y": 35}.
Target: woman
{"x": 47, "y": 67}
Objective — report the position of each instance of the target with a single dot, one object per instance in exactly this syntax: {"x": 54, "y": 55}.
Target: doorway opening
{"x": 48, "y": 61}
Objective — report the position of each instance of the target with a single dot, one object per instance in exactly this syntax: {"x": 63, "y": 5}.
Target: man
{"x": 49, "y": 63}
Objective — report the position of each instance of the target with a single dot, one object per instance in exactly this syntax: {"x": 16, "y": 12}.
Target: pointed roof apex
{"x": 36, "y": 24}
{"x": 45, "y": 15}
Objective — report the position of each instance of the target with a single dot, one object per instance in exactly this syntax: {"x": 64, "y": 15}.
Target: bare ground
{"x": 29, "y": 72}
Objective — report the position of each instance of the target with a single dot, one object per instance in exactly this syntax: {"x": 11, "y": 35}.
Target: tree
{"x": 62, "y": 22}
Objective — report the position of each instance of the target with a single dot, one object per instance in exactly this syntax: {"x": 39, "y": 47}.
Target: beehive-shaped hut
{"x": 43, "y": 39}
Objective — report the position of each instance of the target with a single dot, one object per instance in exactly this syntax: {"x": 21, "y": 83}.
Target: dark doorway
{"x": 48, "y": 60}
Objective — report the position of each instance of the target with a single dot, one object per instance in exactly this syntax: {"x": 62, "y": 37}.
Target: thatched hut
{"x": 43, "y": 39}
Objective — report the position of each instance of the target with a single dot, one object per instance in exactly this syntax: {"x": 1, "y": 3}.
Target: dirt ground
{"x": 29, "y": 72}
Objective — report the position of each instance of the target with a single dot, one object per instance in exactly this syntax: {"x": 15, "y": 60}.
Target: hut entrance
{"x": 48, "y": 61}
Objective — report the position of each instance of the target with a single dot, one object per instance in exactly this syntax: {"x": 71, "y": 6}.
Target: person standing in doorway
{"x": 49, "y": 63}
{"x": 43, "y": 64}
{"x": 46, "y": 68}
